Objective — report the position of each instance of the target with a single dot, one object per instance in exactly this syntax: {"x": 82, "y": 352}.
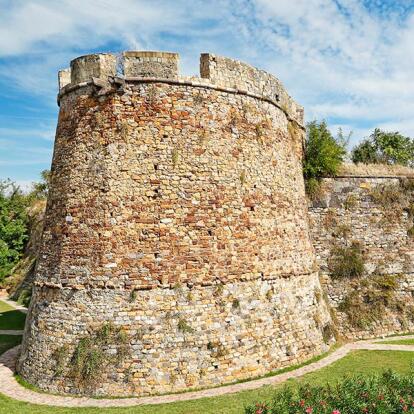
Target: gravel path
{"x": 10, "y": 387}
{"x": 10, "y": 332}
{"x": 13, "y": 304}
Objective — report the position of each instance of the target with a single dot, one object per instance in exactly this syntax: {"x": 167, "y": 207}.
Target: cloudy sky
{"x": 347, "y": 61}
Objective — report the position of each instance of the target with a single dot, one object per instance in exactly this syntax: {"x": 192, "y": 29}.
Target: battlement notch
{"x": 150, "y": 64}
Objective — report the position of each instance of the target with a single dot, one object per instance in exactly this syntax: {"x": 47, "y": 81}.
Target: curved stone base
{"x": 177, "y": 338}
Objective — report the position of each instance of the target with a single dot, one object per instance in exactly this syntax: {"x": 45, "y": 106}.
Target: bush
{"x": 385, "y": 148}
{"x": 13, "y": 226}
{"x": 347, "y": 262}
{"x": 323, "y": 153}
{"x": 16, "y": 213}
{"x": 387, "y": 393}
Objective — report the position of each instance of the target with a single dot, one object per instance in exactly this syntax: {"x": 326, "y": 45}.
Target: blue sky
{"x": 349, "y": 62}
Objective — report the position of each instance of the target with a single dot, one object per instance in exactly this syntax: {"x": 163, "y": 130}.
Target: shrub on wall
{"x": 92, "y": 358}
{"x": 323, "y": 155}
{"x": 323, "y": 152}
{"x": 347, "y": 262}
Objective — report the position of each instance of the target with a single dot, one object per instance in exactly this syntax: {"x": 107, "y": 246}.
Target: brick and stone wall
{"x": 348, "y": 211}
{"x": 177, "y": 212}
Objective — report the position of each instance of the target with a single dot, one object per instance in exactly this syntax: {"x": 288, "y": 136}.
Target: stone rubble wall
{"x": 231, "y": 73}
{"x": 164, "y": 193}
{"x": 274, "y": 325}
{"x": 346, "y": 212}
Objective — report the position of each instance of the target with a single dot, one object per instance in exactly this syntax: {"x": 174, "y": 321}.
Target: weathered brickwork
{"x": 177, "y": 212}
{"x": 348, "y": 211}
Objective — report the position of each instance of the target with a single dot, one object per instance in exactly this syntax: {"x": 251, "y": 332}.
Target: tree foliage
{"x": 385, "y": 148}
{"x": 15, "y": 220}
{"x": 13, "y": 226}
{"x": 323, "y": 152}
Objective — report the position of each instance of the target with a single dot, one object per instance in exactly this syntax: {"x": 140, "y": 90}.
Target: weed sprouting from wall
{"x": 350, "y": 202}
{"x": 368, "y": 302}
{"x": 174, "y": 157}
{"x": 314, "y": 189}
{"x": 243, "y": 177}
{"x": 91, "y": 359}
{"x": 347, "y": 262}
{"x": 184, "y": 327}
{"x": 393, "y": 199}
{"x": 60, "y": 356}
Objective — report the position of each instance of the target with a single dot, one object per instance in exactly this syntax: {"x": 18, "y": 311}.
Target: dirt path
{"x": 10, "y": 387}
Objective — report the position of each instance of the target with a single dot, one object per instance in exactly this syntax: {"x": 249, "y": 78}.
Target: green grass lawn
{"x": 9, "y": 341}
{"x": 11, "y": 318}
{"x": 399, "y": 342}
{"x": 363, "y": 362}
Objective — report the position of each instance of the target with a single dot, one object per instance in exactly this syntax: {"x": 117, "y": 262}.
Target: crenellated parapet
{"x": 84, "y": 68}
{"x": 150, "y": 64}
{"x": 230, "y": 73}
{"x": 216, "y": 72}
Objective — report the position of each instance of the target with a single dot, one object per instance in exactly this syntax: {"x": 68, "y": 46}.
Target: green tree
{"x": 13, "y": 226}
{"x": 41, "y": 188}
{"x": 323, "y": 152}
{"x": 385, "y": 148}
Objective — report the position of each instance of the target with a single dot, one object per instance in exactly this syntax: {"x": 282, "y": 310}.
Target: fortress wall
{"x": 347, "y": 212}
{"x": 176, "y": 212}
{"x": 232, "y": 73}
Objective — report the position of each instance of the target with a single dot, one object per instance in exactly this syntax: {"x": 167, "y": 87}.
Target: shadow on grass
{"x": 9, "y": 341}
{"x": 12, "y": 319}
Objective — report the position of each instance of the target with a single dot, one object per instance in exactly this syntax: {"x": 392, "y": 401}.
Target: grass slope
{"x": 9, "y": 341}
{"x": 399, "y": 342}
{"x": 11, "y": 318}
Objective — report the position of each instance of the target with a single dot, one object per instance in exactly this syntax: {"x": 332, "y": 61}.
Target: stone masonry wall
{"x": 348, "y": 212}
{"x": 177, "y": 213}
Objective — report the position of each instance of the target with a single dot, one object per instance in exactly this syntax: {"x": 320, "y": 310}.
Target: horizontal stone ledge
{"x": 170, "y": 286}
{"x": 183, "y": 82}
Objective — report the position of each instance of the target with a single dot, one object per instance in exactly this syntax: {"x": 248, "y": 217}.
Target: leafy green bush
{"x": 15, "y": 220}
{"x": 323, "y": 153}
{"x": 388, "y": 393}
{"x": 13, "y": 226}
{"x": 385, "y": 148}
{"x": 347, "y": 262}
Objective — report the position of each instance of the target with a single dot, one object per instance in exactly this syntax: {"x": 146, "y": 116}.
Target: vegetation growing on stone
{"x": 393, "y": 199}
{"x": 368, "y": 301}
{"x": 323, "y": 155}
{"x": 323, "y": 152}
{"x": 184, "y": 327}
{"x": 347, "y": 261}
{"x": 91, "y": 359}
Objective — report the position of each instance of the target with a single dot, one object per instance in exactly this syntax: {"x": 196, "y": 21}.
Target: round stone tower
{"x": 176, "y": 249}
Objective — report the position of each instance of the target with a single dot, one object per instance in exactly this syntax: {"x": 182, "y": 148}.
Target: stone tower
{"x": 176, "y": 249}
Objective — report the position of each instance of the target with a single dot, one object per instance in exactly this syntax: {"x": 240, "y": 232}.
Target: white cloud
{"x": 346, "y": 63}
